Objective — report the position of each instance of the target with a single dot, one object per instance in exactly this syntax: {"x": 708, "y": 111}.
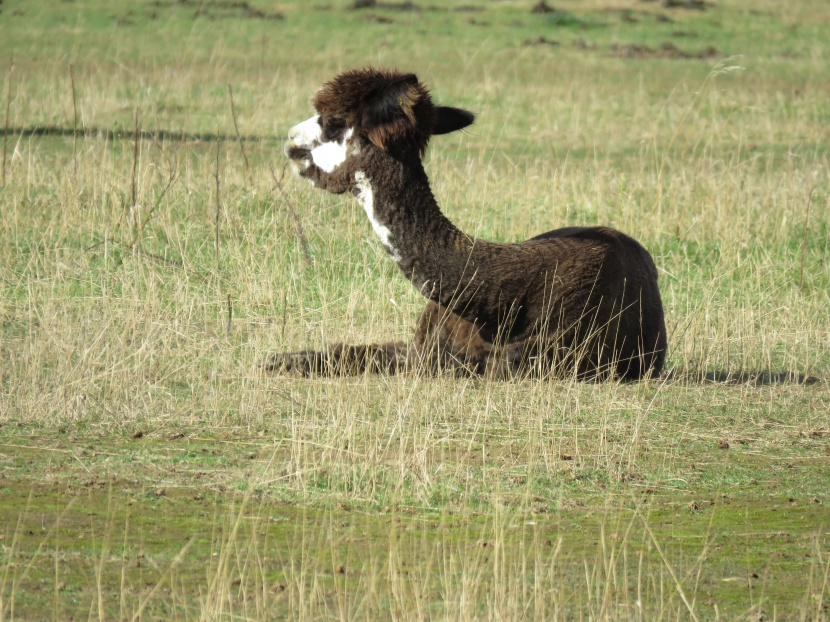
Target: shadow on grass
{"x": 757, "y": 378}
{"x": 130, "y": 134}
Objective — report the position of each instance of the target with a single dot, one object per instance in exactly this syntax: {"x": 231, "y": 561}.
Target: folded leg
{"x": 342, "y": 360}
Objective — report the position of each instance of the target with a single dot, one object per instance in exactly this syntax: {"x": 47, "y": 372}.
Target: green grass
{"x": 261, "y": 561}
{"x": 148, "y": 468}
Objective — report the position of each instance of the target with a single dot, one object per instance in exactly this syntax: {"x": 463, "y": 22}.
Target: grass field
{"x": 149, "y": 469}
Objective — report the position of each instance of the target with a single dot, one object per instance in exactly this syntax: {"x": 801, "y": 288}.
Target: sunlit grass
{"x": 131, "y": 333}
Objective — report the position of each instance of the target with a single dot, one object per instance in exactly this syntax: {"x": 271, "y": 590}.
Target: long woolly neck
{"x": 442, "y": 262}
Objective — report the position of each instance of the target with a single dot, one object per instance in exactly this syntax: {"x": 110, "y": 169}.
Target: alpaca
{"x": 579, "y": 300}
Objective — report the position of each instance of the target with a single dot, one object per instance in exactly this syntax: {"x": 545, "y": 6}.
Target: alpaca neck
{"x": 442, "y": 262}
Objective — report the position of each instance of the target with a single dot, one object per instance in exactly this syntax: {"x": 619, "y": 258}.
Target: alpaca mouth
{"x": 296, "y": 153}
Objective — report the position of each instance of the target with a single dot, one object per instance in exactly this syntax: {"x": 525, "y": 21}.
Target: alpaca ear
{"x": 389, "y": 112}
{"x": 448, "y": 119}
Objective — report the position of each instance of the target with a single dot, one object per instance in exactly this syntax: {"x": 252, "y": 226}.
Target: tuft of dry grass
{"x": 144, "y": 278}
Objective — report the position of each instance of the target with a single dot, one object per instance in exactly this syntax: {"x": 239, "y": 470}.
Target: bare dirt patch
{"x": 542, "y": 8}
{"x": 541, "y": 40}
{"x": 374, "y": 4}
{"x": 220, "y": 9}
{"x": 666, "y": 50}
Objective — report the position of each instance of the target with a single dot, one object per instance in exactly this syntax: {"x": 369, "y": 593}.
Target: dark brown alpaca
{"x": 579, "y": 300}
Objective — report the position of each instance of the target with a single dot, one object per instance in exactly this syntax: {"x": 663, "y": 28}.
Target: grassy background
{"x": 147, "y": 467}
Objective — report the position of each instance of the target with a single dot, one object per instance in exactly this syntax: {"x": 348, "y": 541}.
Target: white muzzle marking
{"x": 306, "y": 134}
{"x": 327, "y": 156}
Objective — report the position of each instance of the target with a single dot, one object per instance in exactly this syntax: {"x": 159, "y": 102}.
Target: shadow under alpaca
{"x": 757, "y": 378}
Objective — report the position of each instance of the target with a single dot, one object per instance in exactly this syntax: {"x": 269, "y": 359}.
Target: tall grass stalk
{"x": 139, "y": 296}
{"x": 8, "y": 109}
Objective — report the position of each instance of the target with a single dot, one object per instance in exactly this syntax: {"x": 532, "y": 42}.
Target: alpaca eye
{"x": 333, "y": 129}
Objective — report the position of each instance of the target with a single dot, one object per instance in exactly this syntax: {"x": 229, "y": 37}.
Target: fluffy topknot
{"x": 392, "y": 109}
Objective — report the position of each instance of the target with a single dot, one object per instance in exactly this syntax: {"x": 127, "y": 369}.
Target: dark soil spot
{"x": 220, "y": 9}
{"x": 541, "y": 40}
{"x": 378, "y": 19}
{"x": 698, "y": 5}
{"x": 542, "y": 8}
{"x": 374, "y": 4}
{"x": 666, "y": 50}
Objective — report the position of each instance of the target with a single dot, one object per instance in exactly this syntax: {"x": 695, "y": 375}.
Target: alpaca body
{"x": 581, "y": 300}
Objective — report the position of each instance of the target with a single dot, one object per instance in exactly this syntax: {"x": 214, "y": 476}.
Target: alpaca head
{"x": 363, "y": 110}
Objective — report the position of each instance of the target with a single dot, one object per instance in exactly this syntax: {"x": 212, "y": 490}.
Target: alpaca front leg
{"x": 554, "y": 357}
{"x": 445, "y": 341}
{"x": 341, "y": 360}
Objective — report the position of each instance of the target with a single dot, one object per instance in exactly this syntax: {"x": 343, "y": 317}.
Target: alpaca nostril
{"x": 296, "y": 153}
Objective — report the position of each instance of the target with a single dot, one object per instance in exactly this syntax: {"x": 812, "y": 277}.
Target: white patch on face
{"x": 328, "y": 156}
{"x": 367, "y": 197}
{"x": 306, "y": 134}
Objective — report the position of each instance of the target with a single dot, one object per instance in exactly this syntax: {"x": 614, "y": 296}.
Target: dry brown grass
{"x": 114, "y": 322}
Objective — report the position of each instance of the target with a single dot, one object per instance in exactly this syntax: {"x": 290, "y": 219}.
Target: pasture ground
{"x": 148, "y": 469}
